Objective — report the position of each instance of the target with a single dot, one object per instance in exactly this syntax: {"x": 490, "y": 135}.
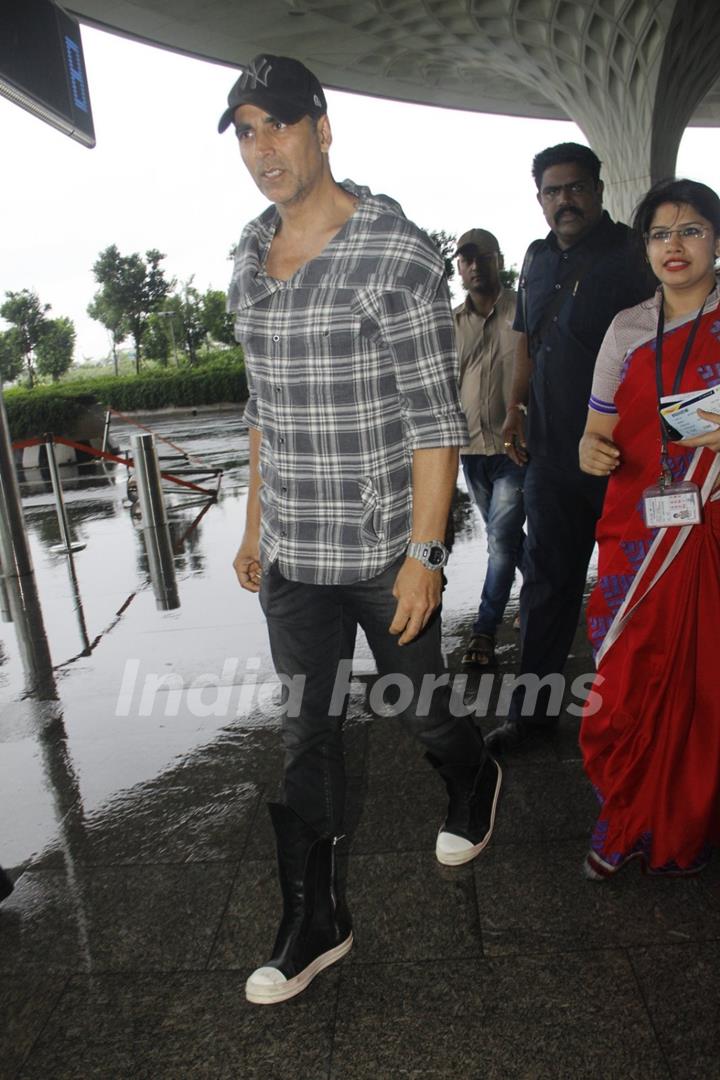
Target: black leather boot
{"x": 472, "y": 801}
{"x": 6, "y": 885}
{"x": 315, "y": 930}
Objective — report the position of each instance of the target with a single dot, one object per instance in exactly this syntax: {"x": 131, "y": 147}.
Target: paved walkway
{"x": 126, "y": 943}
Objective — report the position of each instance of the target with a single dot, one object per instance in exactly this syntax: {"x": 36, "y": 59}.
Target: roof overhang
{"x": 464, "y": 54}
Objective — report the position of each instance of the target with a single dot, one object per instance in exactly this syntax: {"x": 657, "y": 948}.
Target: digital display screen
{"x": 42, "y": 66}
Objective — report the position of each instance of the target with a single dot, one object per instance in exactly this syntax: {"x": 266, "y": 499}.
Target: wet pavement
{"x": 137, "y": 749}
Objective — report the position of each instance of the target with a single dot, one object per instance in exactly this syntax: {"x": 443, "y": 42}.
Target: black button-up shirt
{"x": 612, "y": 276}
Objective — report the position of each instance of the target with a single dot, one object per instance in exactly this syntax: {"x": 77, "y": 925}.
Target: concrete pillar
{"x": 629, "y": 72}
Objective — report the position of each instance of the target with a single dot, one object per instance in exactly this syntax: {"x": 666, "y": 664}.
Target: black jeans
{"x": 562, "y": 508}
{"x": 312, "y": 631}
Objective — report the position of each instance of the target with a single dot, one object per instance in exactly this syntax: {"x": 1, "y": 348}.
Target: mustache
{"x": 568, "y": 210}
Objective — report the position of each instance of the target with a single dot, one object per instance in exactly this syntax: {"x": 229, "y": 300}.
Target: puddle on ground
{"x": 105, "y": 696}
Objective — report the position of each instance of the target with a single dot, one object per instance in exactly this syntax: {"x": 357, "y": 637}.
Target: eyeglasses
{"x": 577, "y": 187}
{"x": 685, "y": 232}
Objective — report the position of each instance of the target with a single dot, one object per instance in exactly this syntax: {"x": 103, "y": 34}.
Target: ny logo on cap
{"x": 254, "y": 75}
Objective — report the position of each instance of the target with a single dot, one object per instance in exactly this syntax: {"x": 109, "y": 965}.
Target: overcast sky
{"x": 161, "y": 176}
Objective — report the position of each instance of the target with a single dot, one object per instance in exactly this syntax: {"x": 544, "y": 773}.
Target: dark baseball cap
{"x": 279, "y": 84}
{"x": 479, "y": 240}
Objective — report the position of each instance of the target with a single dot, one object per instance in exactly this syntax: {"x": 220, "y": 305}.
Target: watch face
{"x": 436, "y": 556}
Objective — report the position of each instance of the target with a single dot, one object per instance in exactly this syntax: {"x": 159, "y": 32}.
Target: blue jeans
{"x": 312, "y": 631}
{"x": 496, "y": 486}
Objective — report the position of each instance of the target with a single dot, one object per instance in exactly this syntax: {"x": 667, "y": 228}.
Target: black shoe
{"x": 517, "y": 735}
{"x": 472, "y": 802}
{"x": 315, "y": 930}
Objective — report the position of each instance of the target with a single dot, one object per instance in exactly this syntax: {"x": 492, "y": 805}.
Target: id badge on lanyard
{"x": 672, "y": 504}
{"x": 667, "y": 503}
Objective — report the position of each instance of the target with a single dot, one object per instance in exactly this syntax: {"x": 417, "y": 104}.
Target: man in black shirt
{"x": 572, "y": 285}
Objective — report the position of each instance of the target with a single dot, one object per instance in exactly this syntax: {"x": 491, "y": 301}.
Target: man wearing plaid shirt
{"x": 354, "y": 423}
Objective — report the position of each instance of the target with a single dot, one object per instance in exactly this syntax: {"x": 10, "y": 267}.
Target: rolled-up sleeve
{"x": 419, "y": 334}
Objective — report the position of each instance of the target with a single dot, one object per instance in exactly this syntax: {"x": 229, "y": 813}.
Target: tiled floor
{"x": 125, "y": 946}
{"x": 127, "y": 941}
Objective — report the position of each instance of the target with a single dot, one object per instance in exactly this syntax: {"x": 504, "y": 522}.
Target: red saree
{"x": 652, "y": 747}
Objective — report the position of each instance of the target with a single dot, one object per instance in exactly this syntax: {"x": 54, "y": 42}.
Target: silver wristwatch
{"x": 431, "y": 553}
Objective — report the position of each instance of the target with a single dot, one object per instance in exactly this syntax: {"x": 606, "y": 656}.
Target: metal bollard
{"x": 68, "y": 545}
{"x": 149, "y": 482}
{"x": 161, "y": 563}
{"x": 5, "y": 613}
{"x": 14, "y": 548}
{"x": 27, "y": 616}
{"x": 106, "y": 430}
{"x": 156, "y": 531}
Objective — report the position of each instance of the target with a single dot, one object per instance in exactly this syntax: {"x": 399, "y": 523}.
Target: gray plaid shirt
{"x": 351, "y": 366}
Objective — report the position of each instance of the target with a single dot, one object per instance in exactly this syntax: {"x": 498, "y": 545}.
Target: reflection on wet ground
{"x": 138, "y": 746}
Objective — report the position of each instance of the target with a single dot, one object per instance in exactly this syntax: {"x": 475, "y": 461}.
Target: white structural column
{"x": 600, "y": 63}
{"x": 630, "y": 73}
{"x": 690, "y": 67}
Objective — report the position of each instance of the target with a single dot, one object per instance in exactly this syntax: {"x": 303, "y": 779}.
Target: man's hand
{"x": 418, "y": 592}
{"x": 247, "y": 564}
{"x": 513, "y": 433}
{"x": 599, "y": 456}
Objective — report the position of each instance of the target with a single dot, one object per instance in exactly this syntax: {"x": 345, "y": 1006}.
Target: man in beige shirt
{"x": 486, "y": 345}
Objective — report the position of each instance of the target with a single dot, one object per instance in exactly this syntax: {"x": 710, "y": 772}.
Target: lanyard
{"x": 665, "y": 474}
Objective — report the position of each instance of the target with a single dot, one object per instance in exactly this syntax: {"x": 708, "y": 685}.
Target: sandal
{"x": 480, "y": 652}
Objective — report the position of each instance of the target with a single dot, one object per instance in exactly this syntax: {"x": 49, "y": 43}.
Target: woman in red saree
{"x": 651, "y": 748}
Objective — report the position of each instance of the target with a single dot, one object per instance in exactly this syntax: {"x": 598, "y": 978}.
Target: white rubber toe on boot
{"x": 268, "y": 985}
{"x": 265, "y": 985}
{"x": 452, "y": 850}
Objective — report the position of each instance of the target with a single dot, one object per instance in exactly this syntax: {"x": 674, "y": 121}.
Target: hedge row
{"x": 57, "y": 408}
{"x": 33, "y": 412}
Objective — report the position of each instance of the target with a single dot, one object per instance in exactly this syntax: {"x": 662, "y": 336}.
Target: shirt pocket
{"x": 370, "y": 516}
{"x": 386, "y": 508}
{"x": 268, "y": 496}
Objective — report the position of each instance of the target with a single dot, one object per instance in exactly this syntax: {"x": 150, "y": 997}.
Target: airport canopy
{"x": 631, "y": 73}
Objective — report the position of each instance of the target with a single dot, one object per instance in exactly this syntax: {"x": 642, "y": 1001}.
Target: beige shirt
{"x": 486, "y": 350}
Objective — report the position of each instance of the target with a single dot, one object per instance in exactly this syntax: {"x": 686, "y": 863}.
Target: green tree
{"x": 193, "y": 330}
{"x": 133, "y": 287}
{"x": 157, "y": 340}
{"x": 104, "y": 310}
{"x": 445, "y": 243}
{"x": 217, "y": 322}
{"x": 55, "y": 347}
{"x": 24, "y": 310}
{"x": 509, "y": 277}
{"x": 11, "y": 357}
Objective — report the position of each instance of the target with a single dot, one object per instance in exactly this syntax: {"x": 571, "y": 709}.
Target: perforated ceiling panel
{"x": 602, "y": 63}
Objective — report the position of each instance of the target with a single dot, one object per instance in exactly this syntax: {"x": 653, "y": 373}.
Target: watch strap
{"x": 431, "y": 553}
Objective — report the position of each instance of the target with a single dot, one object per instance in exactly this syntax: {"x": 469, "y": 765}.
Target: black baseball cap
{"x": 281, "y": 85}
